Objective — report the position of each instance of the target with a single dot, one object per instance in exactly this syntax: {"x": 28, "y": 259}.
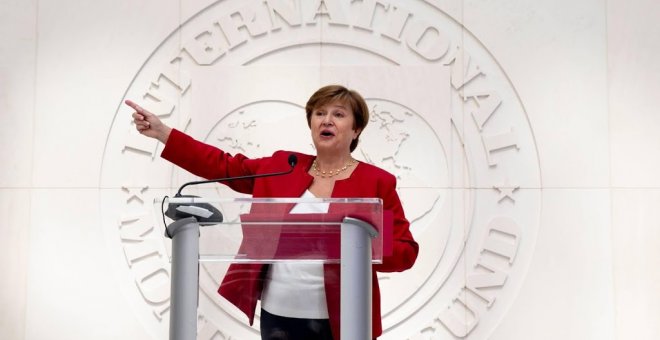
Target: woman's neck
{"x": 333, "y": 161}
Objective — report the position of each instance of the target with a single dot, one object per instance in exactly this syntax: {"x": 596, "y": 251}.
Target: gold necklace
{"x": 331, "y": 173}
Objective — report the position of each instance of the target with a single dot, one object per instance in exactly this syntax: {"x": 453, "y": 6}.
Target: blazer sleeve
{"x": 404, "y": 247}
{"x": 209, "y": 162}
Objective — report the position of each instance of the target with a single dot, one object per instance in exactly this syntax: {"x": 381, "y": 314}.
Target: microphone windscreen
{"x": 293, "y": 160}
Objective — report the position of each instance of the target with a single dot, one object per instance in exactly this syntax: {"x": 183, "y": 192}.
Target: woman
{"x": 293, "y": 308}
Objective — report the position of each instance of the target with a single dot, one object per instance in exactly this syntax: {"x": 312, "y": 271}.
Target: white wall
{"x": 586, "y": 73}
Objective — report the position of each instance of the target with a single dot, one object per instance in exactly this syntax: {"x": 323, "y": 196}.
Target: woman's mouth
{"x": 327, "y": 133}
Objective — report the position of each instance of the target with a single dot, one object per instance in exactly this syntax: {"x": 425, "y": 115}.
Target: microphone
{"x": 205, "y": 212}
{"x": 293, "y": 160}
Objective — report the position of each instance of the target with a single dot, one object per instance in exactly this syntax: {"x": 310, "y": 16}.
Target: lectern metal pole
{"x": 355, "y": 295}
{"x": 185, "y": 278}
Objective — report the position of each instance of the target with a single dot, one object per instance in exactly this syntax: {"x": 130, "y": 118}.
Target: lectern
{"x": 348, "y": 231}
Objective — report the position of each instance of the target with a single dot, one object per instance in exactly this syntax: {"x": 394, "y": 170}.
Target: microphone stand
{"x": 293, "y": 160}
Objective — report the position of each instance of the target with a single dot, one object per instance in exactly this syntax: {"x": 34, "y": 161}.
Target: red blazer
{"x": 243, "y": 283}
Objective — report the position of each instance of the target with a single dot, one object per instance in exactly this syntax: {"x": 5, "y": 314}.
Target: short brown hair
{"x": 338, "y": 93}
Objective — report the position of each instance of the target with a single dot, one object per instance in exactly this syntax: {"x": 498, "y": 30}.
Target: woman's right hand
{"x": 149, "y": 124}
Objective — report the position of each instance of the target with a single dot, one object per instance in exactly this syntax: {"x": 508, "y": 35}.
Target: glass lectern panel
{"x": 269, "y": 230}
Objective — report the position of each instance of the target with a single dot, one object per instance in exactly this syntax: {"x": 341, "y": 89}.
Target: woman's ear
{"x": 357, "y": 133}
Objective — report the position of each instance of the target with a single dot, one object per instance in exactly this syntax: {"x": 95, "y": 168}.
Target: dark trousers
{"x": 275, "y": 327}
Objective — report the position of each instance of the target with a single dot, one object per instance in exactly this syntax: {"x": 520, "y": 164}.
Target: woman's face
{"x": 332, "y": 128}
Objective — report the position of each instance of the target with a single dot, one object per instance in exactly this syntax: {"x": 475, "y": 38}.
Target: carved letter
{"x": 256, "y": 25}
{"x": 427, "y": 41}
{"x": 174, "y": 76}
{"x": 135, "y": 192}
{"x": 477, "y": 281}
{"x": 205, "y": 48}
{"x": 139, "y": 144}
{"x": 288, "y": 13}
{"x": 504, "y": 227}
{"x": 142, "y": 255}
{"x": 463, "y": 70}
{"x": 499, "y": 142}
{"x": 170, "y": 82}
{"x": 365, "y": 18}
{"x": 396, "y": 21}
{"x": 459, "y": 326}
{"x": 134, "y": 232}
{"x": 486, "y": 104}
{"x": 330, "y": 8}
{"x": 153, "y": 281}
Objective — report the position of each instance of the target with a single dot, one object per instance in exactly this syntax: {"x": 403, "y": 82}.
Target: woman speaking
{"x": 298, "y": 301}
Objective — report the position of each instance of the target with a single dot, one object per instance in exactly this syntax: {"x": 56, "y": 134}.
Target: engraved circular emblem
{"x": 444, "y": 119}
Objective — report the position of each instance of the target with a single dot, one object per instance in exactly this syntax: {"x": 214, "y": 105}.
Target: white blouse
{"x": 296, "y": 290}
